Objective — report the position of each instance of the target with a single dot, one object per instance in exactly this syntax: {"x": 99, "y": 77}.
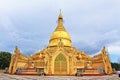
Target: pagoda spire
{"x": 60, "y": 34}
{"x": 60, "y": 15}
{"x": 60, "y": 26}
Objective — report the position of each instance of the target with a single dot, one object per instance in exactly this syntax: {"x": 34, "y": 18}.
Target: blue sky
{"x": 92, "y": 24}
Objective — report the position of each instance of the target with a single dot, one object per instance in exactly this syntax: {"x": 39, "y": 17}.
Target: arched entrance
{"x": 60, "y": 65}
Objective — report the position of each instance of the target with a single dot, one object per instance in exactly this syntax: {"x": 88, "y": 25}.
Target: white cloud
{"x": 114, "y": 49}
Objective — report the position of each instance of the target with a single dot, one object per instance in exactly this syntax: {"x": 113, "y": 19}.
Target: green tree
{"x": 5, "y": 58}
{"x": 115, "y": 66}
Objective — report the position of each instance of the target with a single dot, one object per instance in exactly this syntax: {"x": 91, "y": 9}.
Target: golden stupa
{"x": 60, "y": 58}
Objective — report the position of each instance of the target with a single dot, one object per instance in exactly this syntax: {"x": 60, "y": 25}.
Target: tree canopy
{"x": 116, "y": 66}
{"x": 5, "y": 58}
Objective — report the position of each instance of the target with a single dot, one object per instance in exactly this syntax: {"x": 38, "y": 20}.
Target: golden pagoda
{"x": 60, "y": 58}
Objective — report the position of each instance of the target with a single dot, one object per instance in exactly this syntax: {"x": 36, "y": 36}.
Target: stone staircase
{"x": 90, "y": 72}
{"x": 28, "y": 71}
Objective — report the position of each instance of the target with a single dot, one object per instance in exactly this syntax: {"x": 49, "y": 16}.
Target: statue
{"x": 33, "y": 65}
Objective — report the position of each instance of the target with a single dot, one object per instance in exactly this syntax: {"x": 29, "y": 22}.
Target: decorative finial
{"x": 60, "y": 15}
{"x": 16, "y": 51}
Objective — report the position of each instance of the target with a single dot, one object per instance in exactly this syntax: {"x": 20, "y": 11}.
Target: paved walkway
{"x": 17, "y": 77}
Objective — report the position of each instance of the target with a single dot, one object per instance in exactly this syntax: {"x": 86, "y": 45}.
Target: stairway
{"x": 28, "y": 71}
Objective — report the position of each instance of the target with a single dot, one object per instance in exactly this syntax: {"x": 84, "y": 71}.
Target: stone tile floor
{"x": 18, "y": 77}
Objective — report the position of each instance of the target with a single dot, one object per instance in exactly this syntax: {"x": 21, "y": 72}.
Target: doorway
{"x": 60, "y": 65}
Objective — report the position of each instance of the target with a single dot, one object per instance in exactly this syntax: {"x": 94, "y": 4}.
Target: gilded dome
{"x": 60, "y": 34}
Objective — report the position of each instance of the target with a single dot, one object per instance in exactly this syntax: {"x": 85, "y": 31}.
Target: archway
{"x": 60, "y": 65}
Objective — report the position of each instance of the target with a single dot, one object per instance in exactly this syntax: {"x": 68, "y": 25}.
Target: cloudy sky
{"x": 92, "y": 24}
